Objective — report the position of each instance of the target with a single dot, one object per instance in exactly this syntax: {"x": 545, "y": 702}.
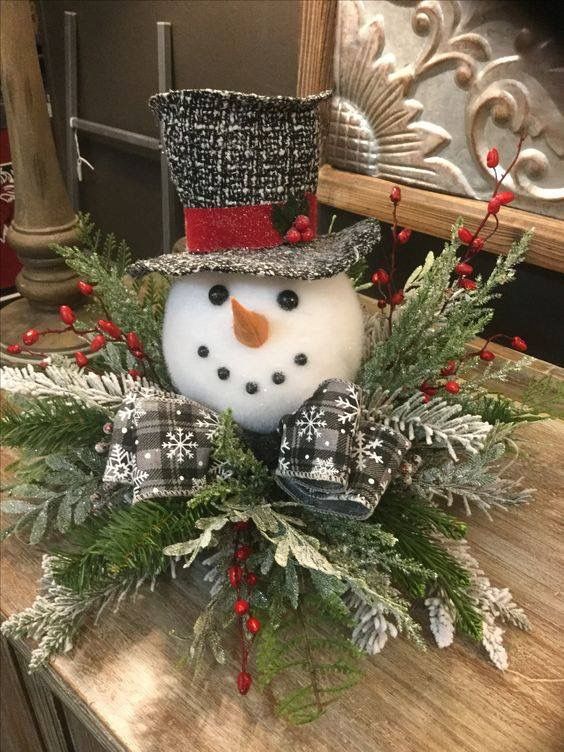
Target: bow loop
{"x": 333, "y": 456}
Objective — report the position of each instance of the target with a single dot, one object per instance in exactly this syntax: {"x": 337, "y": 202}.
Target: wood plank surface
{"x": 125, "y": 674}
{"x": 434, "y": 214}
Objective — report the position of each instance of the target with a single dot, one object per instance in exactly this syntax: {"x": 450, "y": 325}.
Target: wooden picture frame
{"x": 425, "y": 211}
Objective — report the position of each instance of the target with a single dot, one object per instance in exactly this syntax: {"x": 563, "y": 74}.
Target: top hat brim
{"x": 325, "y": 256}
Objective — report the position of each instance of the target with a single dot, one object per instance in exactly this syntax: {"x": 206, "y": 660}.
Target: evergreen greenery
{"x": 323, "y": 579}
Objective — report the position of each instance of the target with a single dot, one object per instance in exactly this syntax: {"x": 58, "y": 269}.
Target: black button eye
{"x": 218, "y": 294}
{"x": 288, "y": 300}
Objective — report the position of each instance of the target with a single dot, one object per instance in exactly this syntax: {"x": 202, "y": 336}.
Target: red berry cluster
{"x": 241, "y": 577}
{"x": 450, "y": 369}
{"x": 472, "y": 240}
{"x": 103, "y": 331}
{"x": 300, "y": 231}
{"x": 383, "y": 279}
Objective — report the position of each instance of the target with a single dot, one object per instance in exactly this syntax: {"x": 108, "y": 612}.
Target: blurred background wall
{"x": 248, "y": 45}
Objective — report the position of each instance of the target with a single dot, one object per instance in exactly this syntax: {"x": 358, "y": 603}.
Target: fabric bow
{"x": 332, "y": 455}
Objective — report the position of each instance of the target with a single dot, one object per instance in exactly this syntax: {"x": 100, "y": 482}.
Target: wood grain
{"x": 126, "y": 679}
{"x": 317, "y": 34}
{"x": 18, "y": 727}
{"x": 434, "y": 214}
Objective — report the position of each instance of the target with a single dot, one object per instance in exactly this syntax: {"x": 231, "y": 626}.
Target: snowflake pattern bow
{"x": 331, "y": 456}
{"x": 334, "y": 456}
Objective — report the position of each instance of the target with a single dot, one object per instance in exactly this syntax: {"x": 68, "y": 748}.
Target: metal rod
{"x": 115, "y": 134}
{"x": 71, "y": 105}
{"x": 164, "y": 56}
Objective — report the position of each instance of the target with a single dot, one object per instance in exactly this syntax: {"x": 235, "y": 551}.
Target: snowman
{"x": 261, "y": 310}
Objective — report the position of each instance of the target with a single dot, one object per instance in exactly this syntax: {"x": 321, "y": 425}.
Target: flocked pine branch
{"x": 57, "y": 613}
{"x": 372, "y": 626}
{"x": 434, "y": 423}
{"x": 471, "y": 482}
{"x": 495, "y": 604}
{"x": 104, "y": 390}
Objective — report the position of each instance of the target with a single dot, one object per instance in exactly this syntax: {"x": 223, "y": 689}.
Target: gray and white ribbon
{"x": 332, "y": 455}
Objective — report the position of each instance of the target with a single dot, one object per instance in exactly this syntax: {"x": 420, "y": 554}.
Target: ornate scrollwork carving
{"x": 376, "y": 126}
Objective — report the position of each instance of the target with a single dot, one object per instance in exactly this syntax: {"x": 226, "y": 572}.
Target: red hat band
{"x": 253, "y": 227}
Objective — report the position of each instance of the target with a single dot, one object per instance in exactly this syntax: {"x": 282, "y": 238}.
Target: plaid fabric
{"x": 333, "y": 457}
{"x": 161, "y": 445}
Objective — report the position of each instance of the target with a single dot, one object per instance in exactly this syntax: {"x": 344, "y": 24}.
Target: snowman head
{"x": 260, "y": 346}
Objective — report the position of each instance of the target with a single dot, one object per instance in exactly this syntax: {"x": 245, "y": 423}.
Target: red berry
{"x": 253, "y": 624}
{"x": 81, "y": 359}
{"x": 449, "y": 369}
{"x": 235, "y": 575}
{"x": 477, "y": 244}
{"x": 430, "y": 390}
{"x": 241, "y": 525}
{"x": 453, "y": 387}
{"x": 292, "y": 236}
{"x": 84, "y": 287}
{"x": 506, "y": 197}
{"x": 486, "y": 355}
{"x": 244, "y": 681}
{"x": 519, "y": 344}
{"x": 301, "y": 222}
{"x": 426, "y": 398}
{"x": 395, "y": 195}
{"x": 380, "y": 277}
{"x": 463, "y": 269}
{"x": 241, "y": 606}
{"x": 397, "y": 298}
{"x": 97, "y": 343}
{"x": 467, "y": 284}
{"x": 381, "y": 303}
{"x": 134, "y": 373}
{"x": 139, "y": 354}
{"x": 67, "y": 315}
{"x": 107, "y": 428}
{"x": 14, "y": 349}
{"x": 492, "y": 158}
{"x": 30, "y": 337}
{"x": 403, "y": 236}
{"x": 493, "y": 205}
{"x": 243, "y": 553}
{"x": 110, "y": 328}
{"x": 251, "y": 579}
{"x": 465, "y": 235}
{"x": 133, "y": 341}
{"x": 307, "y": 235}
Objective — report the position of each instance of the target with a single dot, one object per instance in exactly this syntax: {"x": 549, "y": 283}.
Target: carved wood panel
{"x": 423, "y": 88}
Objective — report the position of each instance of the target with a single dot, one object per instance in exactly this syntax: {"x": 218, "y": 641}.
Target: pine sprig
{"x": 323, "y": 667}
{"x": 51, "y": 425}
{"x": 437, "y": 321}
{"x": 124, "y": 542}
{"x": 103, "y": 262}
{"x": 56, "y": 493}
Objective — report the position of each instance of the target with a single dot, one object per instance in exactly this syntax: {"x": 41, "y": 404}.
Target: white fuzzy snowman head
{"x": 260, "y": 346}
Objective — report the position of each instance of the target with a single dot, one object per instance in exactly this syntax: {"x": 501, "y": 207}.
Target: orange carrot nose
{"x": 250, "y": 328}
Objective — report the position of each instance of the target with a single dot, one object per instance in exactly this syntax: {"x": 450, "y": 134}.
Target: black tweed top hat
{"x": 245, "y": 167}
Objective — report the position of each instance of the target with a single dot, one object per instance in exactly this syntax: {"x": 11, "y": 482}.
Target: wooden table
{"x": 122, "y": 688}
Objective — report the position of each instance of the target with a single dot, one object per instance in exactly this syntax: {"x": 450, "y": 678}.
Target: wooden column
{"x": 43, "y": 214}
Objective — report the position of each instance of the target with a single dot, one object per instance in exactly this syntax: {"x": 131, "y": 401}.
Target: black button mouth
{"x": 203, "y": 351}
{"x": 278, "y": 377}
{"x": 251, "y": 387}
{"x": 223, "y": 373}
{"x": 300, "y": 359}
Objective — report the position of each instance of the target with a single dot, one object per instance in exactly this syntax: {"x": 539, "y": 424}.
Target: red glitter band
{"x": 219, "y": 229}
